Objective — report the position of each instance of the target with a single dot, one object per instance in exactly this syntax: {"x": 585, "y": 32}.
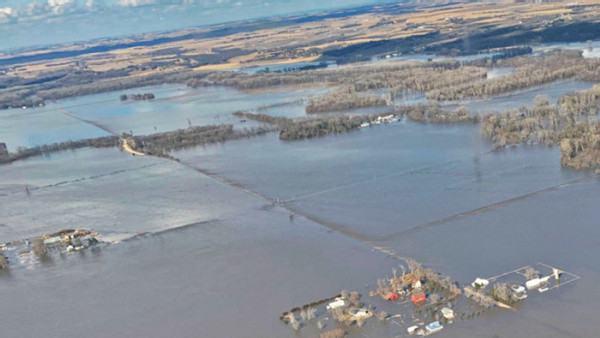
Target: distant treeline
{"x": 23, "y": 153}
{"x": 501, "y": 54}
{"x": 364, "y": 51}
{"x": 558, "y": 31}
{"x": 419, "y": 77}
{"x": 137, "y": 97}
{"x": 531, "y": 71}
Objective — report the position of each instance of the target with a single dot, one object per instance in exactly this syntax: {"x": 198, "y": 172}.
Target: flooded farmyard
{"x": 391, "y": 170}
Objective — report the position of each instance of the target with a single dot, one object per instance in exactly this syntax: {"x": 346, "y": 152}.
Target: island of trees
{"x": 137, "y": 97}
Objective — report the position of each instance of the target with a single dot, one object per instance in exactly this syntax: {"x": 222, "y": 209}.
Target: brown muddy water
{"x": 223, "y": 260}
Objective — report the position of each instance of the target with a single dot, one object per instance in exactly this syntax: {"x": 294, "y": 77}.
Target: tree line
{"x": 23, "y": 153}
{"x": 159, "y": 144}
{"x": 343, "y": 98}
{"x": 415, "y": 76}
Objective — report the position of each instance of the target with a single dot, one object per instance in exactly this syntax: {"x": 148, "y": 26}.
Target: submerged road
{"x": 125, "y": 145}
{"x": 95, "y": 124}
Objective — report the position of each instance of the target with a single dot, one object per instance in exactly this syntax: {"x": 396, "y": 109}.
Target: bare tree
{"x": 531, "y": 273}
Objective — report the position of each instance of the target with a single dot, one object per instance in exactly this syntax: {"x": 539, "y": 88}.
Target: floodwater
{"x": 515, "y": 100}
{"x": 174, "y": 108}
{"x": 222, "y": 259}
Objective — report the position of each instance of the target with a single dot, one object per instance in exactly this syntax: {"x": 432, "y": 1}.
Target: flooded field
{"x": 241, "y": 231}
{"x": 173, "y": 107}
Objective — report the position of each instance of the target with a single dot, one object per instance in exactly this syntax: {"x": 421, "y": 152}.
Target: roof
{"x": 447, "y": 312}
{"x": 337, "y": 303}
{"x": 481, "y": 282}
{"x": 417, "y": 296}
{"x": 390, "y": 296}
{"x": 518, "y": 288}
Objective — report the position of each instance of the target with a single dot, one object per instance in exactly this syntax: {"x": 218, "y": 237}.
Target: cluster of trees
{"x": 344, "y": 314}
{"x": 137, "y": 97}
{"x": 585, "y": 102}
{"x": 581, "y": 150}
{"x": 479, "y": 297}
{"x": 562, "y": 124}
{"x": 530, "y": 72}
{"x": 306, "y": 314}
{"x": 502, "y": 292}
{"x": 433, "y": 113}
{"x": 343, "y": 98}
{"x": 422, "y": 273}
{"x": 543, "y": 123}
{"x": 22, "y": 153}
{"x": 531, "y": 273}
{"x": 309, "y": 128}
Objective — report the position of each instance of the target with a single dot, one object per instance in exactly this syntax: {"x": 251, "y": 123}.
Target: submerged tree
{"x": 39, "y": 248}
{"x": 502, "y": 292}
{"x": 531, "y": 273}
{"x": 3, "y": 262}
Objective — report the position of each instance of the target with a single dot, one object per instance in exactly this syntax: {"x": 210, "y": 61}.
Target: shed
{"x": 447, "y": 313}
{"x": 434, "y": 327}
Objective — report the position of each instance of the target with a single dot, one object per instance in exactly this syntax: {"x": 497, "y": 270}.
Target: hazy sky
{"x": 29, "y": 23}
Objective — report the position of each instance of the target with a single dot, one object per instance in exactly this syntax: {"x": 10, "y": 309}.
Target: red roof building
{"x": 418, "y": 297}
{"x": 390, "y": 296}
